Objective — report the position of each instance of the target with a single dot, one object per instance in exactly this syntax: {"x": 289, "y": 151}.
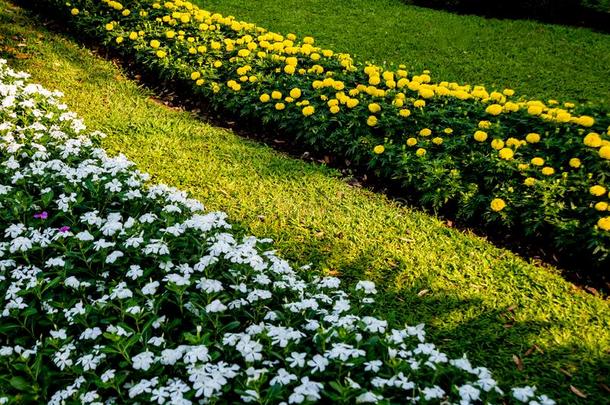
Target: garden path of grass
{"x": 542, "y": 61}
{"x": 475, "y": 297}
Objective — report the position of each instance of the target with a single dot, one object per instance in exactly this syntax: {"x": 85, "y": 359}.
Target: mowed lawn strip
{"x": 474, "y": 297}
{"x": 542, "y": 61}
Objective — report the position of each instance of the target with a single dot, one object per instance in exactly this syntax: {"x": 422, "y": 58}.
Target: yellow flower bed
{"x": 489, "y": 156}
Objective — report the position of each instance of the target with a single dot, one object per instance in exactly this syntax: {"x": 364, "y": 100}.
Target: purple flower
{"x": 64, "y": 229}
{"x": 42, "y": 215}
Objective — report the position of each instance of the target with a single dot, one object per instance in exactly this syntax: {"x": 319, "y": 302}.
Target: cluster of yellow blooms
{"x": 324, "y": 85}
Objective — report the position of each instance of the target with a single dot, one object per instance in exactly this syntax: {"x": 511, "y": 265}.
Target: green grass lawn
{"x": 541, "y": 61}
{"x": 474, "y": 297}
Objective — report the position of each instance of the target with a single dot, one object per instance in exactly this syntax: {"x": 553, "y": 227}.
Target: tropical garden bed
{"x": 143, "y": 135}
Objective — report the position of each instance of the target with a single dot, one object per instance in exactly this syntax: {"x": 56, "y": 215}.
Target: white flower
{"x": 296, "y": 359}
{"x": 434, "y": 392}
{"x": 524, "y": 394}
{"x": 469, "y": 393}
{"x": 156, "y": 341}
{"x": 72, "y": 282}
{"x": 368, "y": 398}
{"x": 150, "y": 288}
{"x": 195, "y": 354}
{"x": 368, "y": 287}
{"x": 373, "y": 365}
{"x": 134, "y": 272}
{"x": 108, "y": 375}
{"x": 20, "y": 244}
{"x": 91, "y": 333}
{"x": 55, "y": 262}
{"x": 112, "y": 257}
{"x": 84, "y": 236}
{"x": 143, "y": 361}
{"x": 317, "y": 363}
{"x": 215, "y": 306}
{"x": 209, "y": 286}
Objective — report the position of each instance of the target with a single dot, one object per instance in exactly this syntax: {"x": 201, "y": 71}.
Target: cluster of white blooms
{"x": 114, "y": 291}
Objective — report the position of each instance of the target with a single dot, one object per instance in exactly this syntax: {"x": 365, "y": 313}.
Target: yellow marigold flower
{"x": 480, "y": 136}
{"x": 308, "y": 40}
{"x": 497, "y": 204}
{"x": 280, "y": 106}
{"x": 448, "y": 131}
{"x": 243, "y": 53}
{"x": 338, "y": 85}
{"x": 426, "y": 93}
{"x": 537, "y": 161}
{"x": 264, "y": 98}
{"x": 195, "y": 75}
{"x": 404, "y": 112}
{"x": 508, "y": 92}
{"x": 276, "y": 95}
{"x": 126, "y": 13}
{"x": 575, "y": 163}
{"x": 334, "y": 109}
{"x": 374, "y": 108}
{"x": 133, "y": 36}
{"x": 118, "y": 40}
{"x": 289, "y": 69}
{"x": 437, "y": 140}
{"x": 420, "y": 152}
{"x": 497, "y": 144}
{"x": 109, "y": 26}
{"x": 592, "y": 140}
{"x": 371, "y": 121}
{"x": 604, "y": 152}
{"x": 398, "y": 102}
{"x": 534, "y": 109}
{"x": 202, "y": 49}
{"x": 530, "y": 181}
{"x": 352, "y": 102}
{"x": 425, "y": 132}
{"x": 199, "y": 82}
{"x": 484, "y": 124}
{"x": 161, "y": 54}
{"x": 411, "y": 142}
{"x": 597, "y": 190}
{"x": 419, "y": 103}
{"x": 217, "y": 64}
{"x": 74, "y": 11}
{"x": 170, "y": 34}
{"x": 532, "y": 137}
{"x": 547, "y": 171}
{"x": 379, "y": 149}
{"x": 604, "y": 223}
{"x": 307, "y": 111}
{"x": 585, "y": 121}
{"x": 374, "y": 80}
{"x": 601, "y": 206}
{"x": 494, "y": 109}
{"x": 295, "y": 93}
{"x": 506, "y": 153}
{"x": 289, "y": 99}
{"x": 523, "y": 166}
